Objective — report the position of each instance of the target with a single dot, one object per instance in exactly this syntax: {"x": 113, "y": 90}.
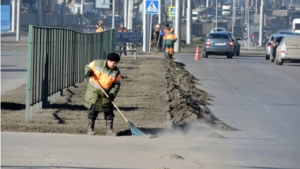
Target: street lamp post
{"x": 216, "y": 13}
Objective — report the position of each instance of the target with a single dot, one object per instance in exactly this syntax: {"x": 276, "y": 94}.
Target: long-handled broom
{"x": 157, "y": 42}
{"x": 135, "y": 131}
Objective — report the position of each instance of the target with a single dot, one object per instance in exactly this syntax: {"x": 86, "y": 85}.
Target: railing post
{"x": 28, "y": 115}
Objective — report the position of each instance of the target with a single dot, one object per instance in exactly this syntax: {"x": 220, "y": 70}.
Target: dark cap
{"x": 113, "y": 57}
{"x": 167, "y": 25}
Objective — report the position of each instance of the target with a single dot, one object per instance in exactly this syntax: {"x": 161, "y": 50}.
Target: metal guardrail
{"x": 56, "y": 60}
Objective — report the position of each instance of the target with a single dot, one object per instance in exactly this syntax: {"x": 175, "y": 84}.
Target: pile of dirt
{"x": 155, "y": 93}
{"x": 187, "y": 102}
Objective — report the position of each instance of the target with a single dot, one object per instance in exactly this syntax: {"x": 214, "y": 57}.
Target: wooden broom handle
{"x": 112, "y": 102}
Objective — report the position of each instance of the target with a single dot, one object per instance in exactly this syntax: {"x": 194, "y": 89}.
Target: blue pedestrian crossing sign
{"x": 152, "y": 7}
{"x": 171, "y": 11}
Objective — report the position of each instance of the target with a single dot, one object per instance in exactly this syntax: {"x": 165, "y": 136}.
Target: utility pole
{"x": 145, "y": 29}
{"x": 63, "y": 13}
{"x": 216, "y": 15}
{"x": 82, "y": 11}
{"x": 189, "y": 22}
{"x": 113, "y": 14}
{"x": 130, "y": 14}
{"x": 177, "y": 26}
{"x": 40, "y": 12}
{"x": 233, "y": 14}
{"x": 159, "y": 11}
{"x": 261, "y": 22}
{"x": 13, "y": 15}
{"x": 255, "y": 6}
{"x": 125, "y": 13}
{"x": 247, "y": 22}
{"x": 18, "y": 20}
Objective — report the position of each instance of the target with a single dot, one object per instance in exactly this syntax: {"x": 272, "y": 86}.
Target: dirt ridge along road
{"x": 187, "y": 102}
{"x": 154, "y": 94}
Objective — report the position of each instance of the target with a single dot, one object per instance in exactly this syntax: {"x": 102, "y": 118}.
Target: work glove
{"x": 90, "y": 73}
{"x": 111, "y": 97}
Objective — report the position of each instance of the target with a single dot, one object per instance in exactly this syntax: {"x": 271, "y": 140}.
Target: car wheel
{"x": 277, "y": 62}
{"x": 205, "y": 54}
{"x": 267, "y": 57}
{"x": 229, "y": 55}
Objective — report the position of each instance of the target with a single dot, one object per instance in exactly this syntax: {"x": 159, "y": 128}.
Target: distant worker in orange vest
{"x": 99, "y": 26}
{"x": 164, "y": 34}
{"x": 123, "y": 46}
{"x": 170, "y": 40}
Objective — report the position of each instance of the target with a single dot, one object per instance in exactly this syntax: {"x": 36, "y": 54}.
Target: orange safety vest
{"x": 166, "y": 33}
{"x": 100, "y": 29}
{"x": 171, "y": 37}
{"x": 103, "y": 76}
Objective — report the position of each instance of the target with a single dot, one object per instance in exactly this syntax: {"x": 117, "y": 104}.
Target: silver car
{"x": 288, "y": 49}
{"x": 218, "y": 29}
{"x": 220, "y": 43}
{"x": 269, "y": 45}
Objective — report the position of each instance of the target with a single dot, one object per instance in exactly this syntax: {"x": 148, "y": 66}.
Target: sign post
{"x": 171, "y": 11}
{"x": 151, "y": 7}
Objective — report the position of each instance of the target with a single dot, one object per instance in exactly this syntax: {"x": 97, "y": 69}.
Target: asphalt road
{"x": 259, "y": 98}
{"x": 13, "y": 70}
{"x": 13, "y": 66}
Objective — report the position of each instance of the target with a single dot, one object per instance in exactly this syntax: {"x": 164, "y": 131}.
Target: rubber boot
{"x": 169, "y": 56}
{"x": 91, "y": 125}
{"x": 109, "y": 128}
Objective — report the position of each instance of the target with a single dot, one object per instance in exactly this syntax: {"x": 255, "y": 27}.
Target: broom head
{"x": 135, "y": 131}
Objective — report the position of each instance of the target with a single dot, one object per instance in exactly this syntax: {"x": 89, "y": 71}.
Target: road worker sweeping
{"x": 102, "y": 74}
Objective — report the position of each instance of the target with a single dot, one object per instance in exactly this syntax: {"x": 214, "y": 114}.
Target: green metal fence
{"x": 56, "y": 60}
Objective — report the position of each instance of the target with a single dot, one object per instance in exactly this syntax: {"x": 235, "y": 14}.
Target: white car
{"x": 269, "y": 45}
{"x": 226, "y": 6}
{"x": 218, "y": 29}
{"x": 226, "y": 12}
{"x": 288, "y": 49}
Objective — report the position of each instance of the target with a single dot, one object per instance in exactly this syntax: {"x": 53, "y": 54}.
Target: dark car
{"x": 268, "y": 29}
{"x": 283, "y": 8}
{"x": 238, "y": 12}
{"x": 254, "y": 37}
{"x": 292, "y": 8}
{"x": 220, "y": 43}
{"x": 205, "y": 19}
{"x": 240, "y": 31}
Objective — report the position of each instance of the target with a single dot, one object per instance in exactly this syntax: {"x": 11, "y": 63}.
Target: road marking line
{"x": 267, "y": 108}
{"x": 255, "y": 99}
